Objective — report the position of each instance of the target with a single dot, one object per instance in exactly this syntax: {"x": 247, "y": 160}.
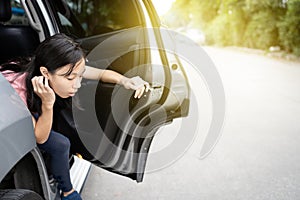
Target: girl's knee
{"x": 63, "y": 144}
{"x": 56, "y": 144}
{"x": 59, "y": 142}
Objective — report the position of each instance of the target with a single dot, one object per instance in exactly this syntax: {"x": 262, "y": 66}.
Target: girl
{"x": 55, "y": 72}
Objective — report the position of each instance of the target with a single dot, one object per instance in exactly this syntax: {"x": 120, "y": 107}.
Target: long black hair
{"x": 53, "y": 53}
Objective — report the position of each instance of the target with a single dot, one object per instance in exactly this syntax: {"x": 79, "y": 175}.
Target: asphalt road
{"x": 257, "y": 156}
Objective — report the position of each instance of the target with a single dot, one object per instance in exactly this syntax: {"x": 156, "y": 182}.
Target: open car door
{"x": 106, "y": 125}
{"x": 114, "y": 130}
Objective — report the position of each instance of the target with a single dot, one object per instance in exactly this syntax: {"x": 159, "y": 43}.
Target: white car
{"x": 113, "y": 130}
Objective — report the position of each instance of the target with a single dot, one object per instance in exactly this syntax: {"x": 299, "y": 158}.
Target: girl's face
{"x": 67, "y": 86}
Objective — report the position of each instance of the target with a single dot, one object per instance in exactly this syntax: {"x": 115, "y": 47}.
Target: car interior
{"x": 17, "y": 38}
{"x": 110, "y": 128}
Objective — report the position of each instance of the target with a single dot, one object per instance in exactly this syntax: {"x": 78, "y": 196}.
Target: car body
{"x": 110, "y": 128}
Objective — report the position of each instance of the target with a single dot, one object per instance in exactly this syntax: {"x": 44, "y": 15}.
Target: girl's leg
{"x": 57, "y": 147}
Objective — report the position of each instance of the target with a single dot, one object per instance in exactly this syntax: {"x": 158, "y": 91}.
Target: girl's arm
{"x": 109, "y": 76}
{"x": 43, "y": 125}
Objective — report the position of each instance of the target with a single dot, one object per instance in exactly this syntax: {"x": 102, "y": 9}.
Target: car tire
{"x": 19, "y": 194}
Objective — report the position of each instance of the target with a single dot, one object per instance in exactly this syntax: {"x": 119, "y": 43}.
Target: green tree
{"x": 289, "y": 28}
{"x": 263, "y": 16}
{"x": 228, "y": 26}
{"x": 261, "y": 31}
{"x": 204, "y": 12}
{"x": 251, "y": 23}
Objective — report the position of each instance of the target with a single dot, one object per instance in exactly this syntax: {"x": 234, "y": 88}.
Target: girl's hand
{"x": 43, "y": 90}
{"x": 137, "y": 84}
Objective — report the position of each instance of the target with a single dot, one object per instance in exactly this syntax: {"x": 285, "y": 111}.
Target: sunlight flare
{"x": 162, "y": 7}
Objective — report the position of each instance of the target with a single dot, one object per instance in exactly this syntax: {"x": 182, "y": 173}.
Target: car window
{"x": 18, "y": 14}
{"x": 87, "y": 18}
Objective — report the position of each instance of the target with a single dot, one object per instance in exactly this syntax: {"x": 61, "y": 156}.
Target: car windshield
{"x": 84, "y": 18}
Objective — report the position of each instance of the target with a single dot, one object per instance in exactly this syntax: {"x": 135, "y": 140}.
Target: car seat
{"x": 15, "y": 40}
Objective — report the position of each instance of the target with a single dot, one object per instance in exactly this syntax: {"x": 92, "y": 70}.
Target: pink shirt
{"x": 17, "y": 82}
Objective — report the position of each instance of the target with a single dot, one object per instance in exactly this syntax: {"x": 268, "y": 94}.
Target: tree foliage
{"x": 289, "y": 27}
{"x": 251, "y": 23}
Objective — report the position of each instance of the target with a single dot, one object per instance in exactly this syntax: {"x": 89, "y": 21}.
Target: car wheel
{"x": 19, "y": 194}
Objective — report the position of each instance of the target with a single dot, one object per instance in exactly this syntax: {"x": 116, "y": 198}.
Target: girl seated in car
{"x": 55, "y": 72}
